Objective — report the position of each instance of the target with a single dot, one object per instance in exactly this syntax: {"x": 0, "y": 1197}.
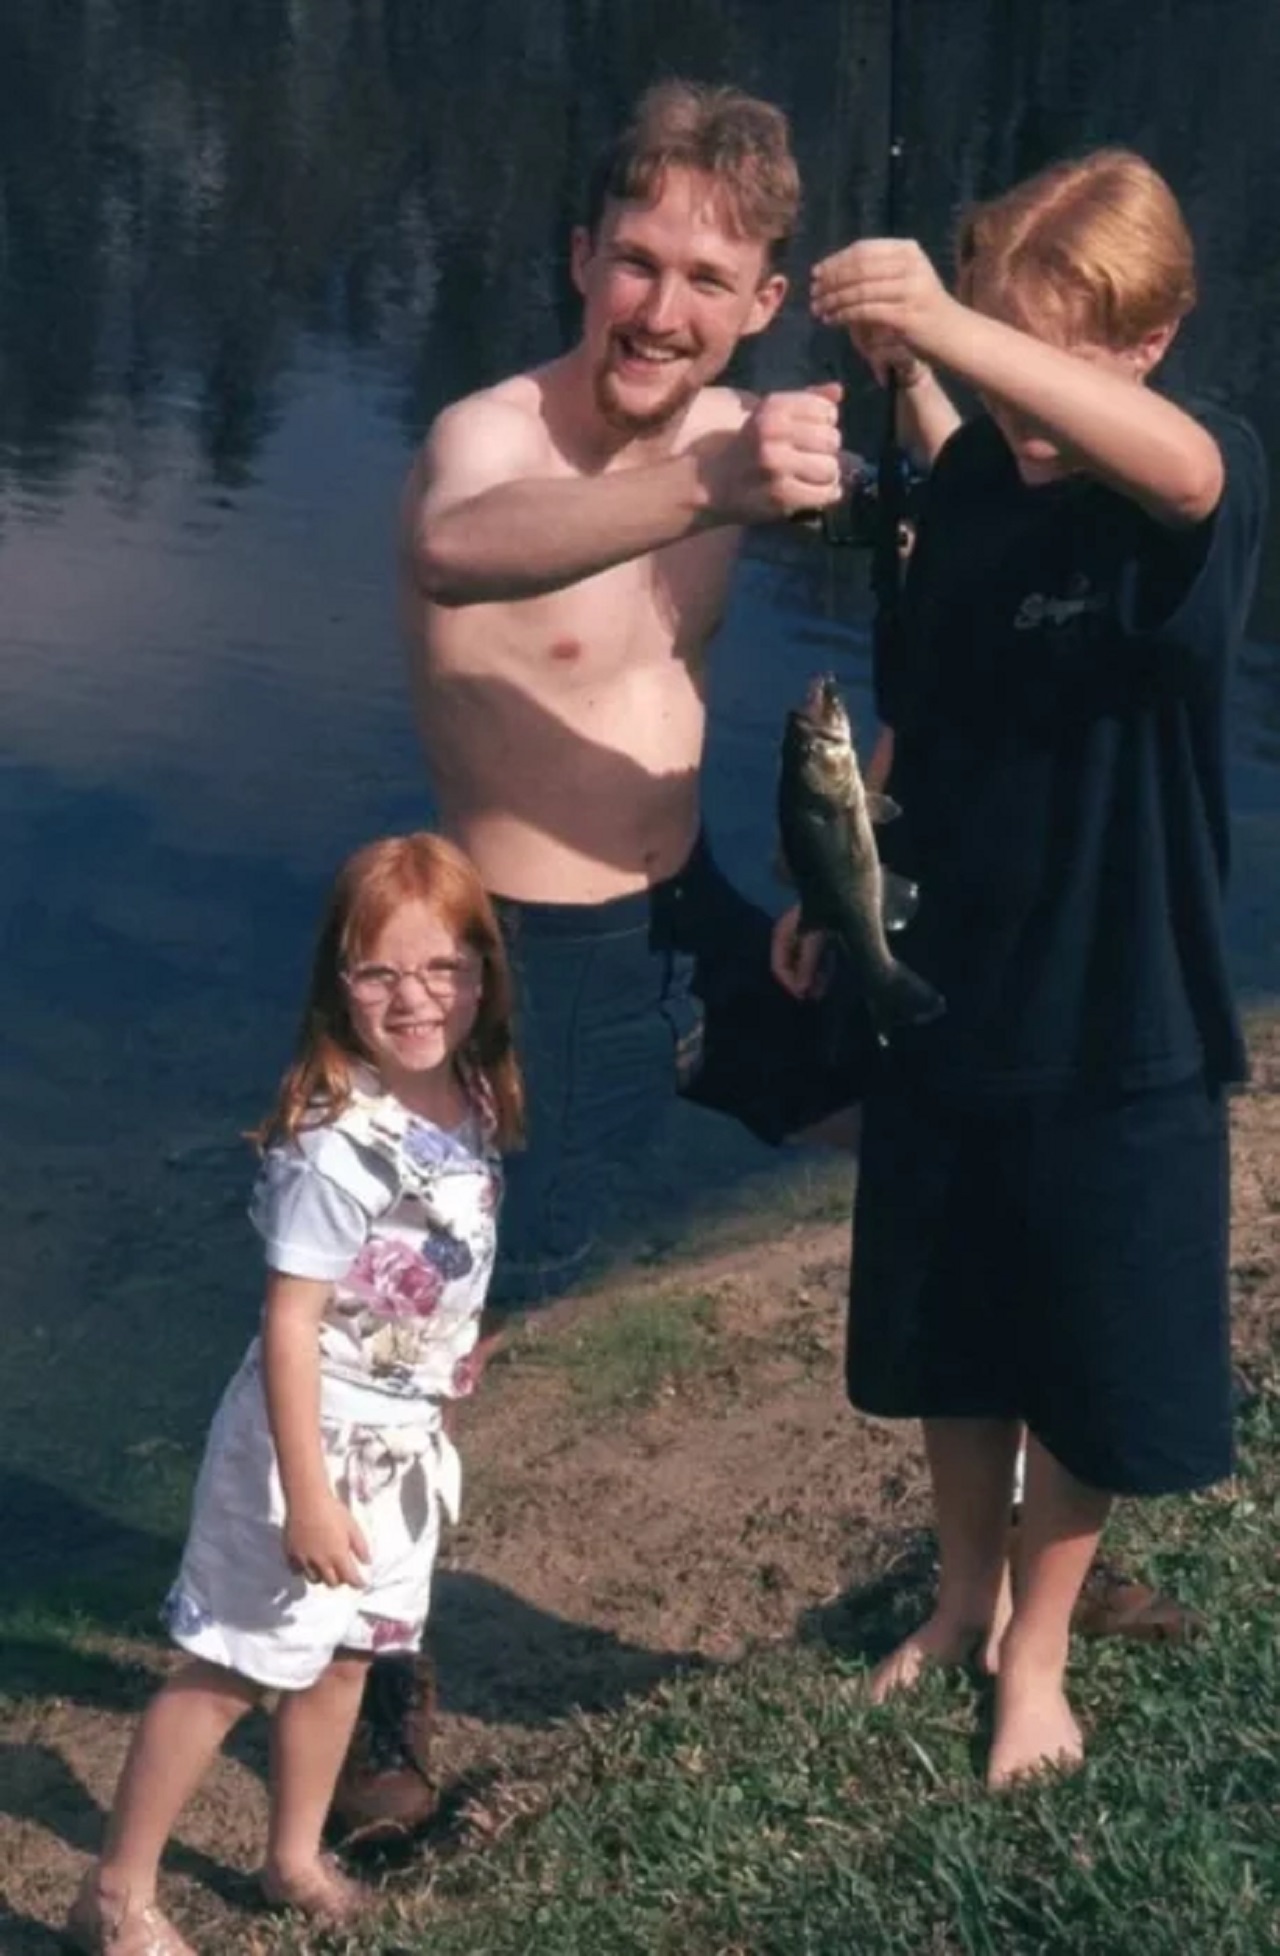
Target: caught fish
{"x": 825, "y": 813}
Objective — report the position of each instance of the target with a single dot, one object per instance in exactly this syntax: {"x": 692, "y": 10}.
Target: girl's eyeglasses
{"x": 446, "y": 979}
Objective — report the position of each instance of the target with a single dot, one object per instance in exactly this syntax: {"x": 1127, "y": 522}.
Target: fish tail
{"x": 904, "y": 998}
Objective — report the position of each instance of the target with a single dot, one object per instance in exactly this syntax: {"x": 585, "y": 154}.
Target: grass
{"x": 631, "y": 1353}
{"x": 764, "y": 1810}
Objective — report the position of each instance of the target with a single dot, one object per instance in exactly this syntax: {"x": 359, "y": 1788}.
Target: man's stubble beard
{"x": 653, "y": 423}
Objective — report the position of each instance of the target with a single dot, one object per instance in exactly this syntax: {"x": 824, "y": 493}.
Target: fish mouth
{"x": 823, "y": 711}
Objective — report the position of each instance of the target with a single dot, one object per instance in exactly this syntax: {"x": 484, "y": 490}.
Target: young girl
{"x": 1042, "y": 1211}
{"x": 316, "y": 1514}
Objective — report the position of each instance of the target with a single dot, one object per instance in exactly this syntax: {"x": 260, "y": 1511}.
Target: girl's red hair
{"x": 371, "y": 885}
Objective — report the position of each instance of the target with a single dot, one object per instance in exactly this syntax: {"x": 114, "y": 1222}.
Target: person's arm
{"x": 927, "y": 417}
{"x": 322, "y": 1539}
{"x": 1106, "y": 422}
{"x": 880, "y": 765}
{"x": 485, "y": 523}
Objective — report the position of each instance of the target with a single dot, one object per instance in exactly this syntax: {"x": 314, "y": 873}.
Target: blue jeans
{"x": 622, "y": 1005}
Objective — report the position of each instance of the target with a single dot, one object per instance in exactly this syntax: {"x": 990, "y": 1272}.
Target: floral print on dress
{"x": 405, "y": 1314}
{"x": 395, "y": 1281}
{"x": 451, "y": 1257}
{"x": 386, "y": 1634}
{"x": 183, "y": 1616}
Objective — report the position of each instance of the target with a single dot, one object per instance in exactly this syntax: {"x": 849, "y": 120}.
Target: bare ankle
{"x": 1035, "y": 1652}
{"x": 290, "y": 1864}
{"x": 119, "y": 1881}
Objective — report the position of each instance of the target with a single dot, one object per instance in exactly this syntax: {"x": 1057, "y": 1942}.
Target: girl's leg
{"x": 176, "y": 1741}
{"x": 971, "y": 1468}
{"x": 1062, "y": 1520}
{"x": 179, "y": 1736}
{"x": 310, "y": 1733}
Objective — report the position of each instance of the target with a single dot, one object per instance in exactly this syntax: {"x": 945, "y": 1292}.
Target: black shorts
{"x": 1063, "y": 1261}
{"x": 622, "y": 1005}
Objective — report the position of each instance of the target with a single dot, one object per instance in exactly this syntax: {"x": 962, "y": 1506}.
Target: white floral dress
{"x": 399, "y": 1216}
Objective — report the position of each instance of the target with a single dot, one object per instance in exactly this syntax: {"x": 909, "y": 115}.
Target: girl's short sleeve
{"x": 312, "y": 1204}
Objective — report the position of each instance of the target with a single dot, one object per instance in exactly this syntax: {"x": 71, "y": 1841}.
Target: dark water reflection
{"x": 247, "y": 249}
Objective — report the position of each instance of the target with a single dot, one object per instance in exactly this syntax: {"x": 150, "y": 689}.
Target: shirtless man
{"x": 569, "y": 536}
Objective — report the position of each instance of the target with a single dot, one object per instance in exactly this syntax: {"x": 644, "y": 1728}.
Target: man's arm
{"x": 1111, "y": 426}
{"x": 484, "y": 522}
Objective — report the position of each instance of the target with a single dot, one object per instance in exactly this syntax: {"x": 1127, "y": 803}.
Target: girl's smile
{"x": 413, "y": 995}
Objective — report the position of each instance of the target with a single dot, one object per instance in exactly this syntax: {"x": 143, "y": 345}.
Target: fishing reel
{"x": 855, "y": 521}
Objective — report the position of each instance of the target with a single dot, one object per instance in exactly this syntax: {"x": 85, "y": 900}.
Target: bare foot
{"x": 939, "y": 1640}
{"x": 320, "y": 1891}
{"x": 107, "y": 1921}
{"x": 1036, "y": 1729}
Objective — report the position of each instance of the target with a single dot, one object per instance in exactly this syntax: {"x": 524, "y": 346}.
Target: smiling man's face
{"x": 669, "y": 291}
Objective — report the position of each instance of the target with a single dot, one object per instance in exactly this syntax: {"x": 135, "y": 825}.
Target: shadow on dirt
{"x": 869, "y": 1620}
{"x": 502, "y": 1660}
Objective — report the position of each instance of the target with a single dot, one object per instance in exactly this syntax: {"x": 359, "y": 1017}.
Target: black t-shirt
{"x": 1058, "y": 695}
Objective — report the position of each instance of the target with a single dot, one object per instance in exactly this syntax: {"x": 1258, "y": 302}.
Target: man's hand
{"x": 886, "y": 286}
{"x": 785, "y": 458}
{"x": 796, "y": 956}
{"x": 325, "y": 1543}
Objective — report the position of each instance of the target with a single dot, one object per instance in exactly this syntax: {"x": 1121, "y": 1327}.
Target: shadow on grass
{"x": 38, "y": 1667}
{"x": 51, "y": 1543}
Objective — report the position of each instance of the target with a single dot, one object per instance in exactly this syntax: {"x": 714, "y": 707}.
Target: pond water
{"x": 247, "y": 249}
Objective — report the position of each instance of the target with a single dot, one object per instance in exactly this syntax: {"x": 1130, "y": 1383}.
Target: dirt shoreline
{"x": 612, "y": 1534}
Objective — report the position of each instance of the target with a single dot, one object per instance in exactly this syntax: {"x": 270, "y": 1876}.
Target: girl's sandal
{"x": 323, "y": 1893}
{"x": 106, "y": 1925}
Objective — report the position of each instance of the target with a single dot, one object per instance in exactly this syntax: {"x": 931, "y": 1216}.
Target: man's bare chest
{"x": 646, "y": 612}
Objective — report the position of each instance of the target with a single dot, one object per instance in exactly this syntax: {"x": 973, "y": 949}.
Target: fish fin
{"x": 899, "y": 900}
{"x": 881, "y": 808}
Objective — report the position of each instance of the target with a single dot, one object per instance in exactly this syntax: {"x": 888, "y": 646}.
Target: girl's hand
{"x": 884, "y": 283}
{"x": 325, "y": 1543}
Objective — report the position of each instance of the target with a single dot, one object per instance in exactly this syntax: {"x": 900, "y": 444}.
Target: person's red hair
{"x": 1091, "y": 250}
{"x": 371, "y": 885}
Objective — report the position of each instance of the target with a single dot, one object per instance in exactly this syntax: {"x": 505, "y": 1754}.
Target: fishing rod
{"x": 880, "y": 493}
{"x": 892, "y": 466}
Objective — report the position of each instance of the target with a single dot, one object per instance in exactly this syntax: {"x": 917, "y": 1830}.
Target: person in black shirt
{"x": 1043, "y": 1205}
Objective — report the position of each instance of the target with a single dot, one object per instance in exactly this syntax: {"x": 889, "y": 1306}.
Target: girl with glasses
{"x": 316, "y": 1514}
